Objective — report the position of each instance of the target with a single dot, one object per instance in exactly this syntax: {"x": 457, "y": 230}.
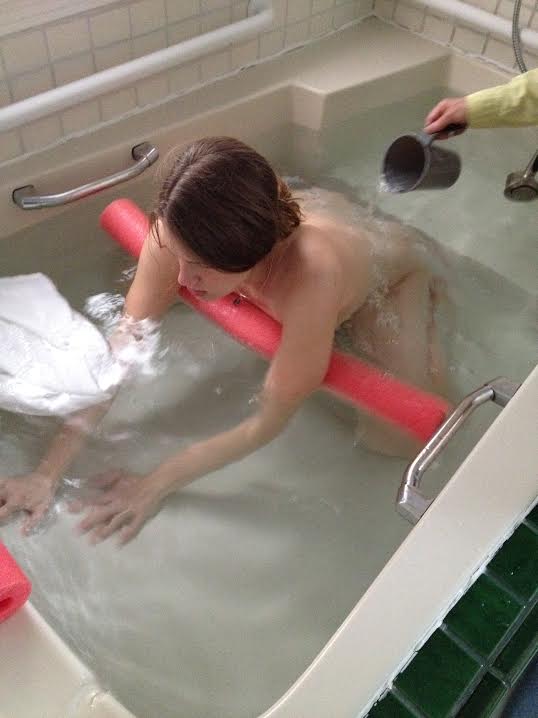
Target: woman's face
{"x": 206, "y": 283}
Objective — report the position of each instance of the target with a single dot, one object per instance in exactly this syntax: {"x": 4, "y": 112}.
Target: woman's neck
{"x": 265, "y": 269}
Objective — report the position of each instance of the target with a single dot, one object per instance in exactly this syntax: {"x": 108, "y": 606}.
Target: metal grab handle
{"x": 411, "y": 504}
{"x": 532, "y": 167}
{"x": 144, "y": 155}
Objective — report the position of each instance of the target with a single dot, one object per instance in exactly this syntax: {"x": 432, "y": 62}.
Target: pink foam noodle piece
{"x": 14, "y": 586}
{"x": 410, "y": 408}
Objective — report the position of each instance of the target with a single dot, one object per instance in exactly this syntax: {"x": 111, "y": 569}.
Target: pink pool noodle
{"x": 410, "y": 408}
{"x": 14, "y": 586}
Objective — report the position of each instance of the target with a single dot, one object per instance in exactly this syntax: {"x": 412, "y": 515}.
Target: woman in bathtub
{"x": 224, "y": 222}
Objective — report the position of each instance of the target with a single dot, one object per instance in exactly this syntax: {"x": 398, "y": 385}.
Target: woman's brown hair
{"x": 225, "y": 202}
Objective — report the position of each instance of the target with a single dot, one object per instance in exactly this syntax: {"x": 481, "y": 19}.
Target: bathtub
{"x": 419, "y": 574}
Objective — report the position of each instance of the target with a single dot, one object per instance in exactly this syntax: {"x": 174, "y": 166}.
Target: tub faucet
{"x": 523, "y": 186}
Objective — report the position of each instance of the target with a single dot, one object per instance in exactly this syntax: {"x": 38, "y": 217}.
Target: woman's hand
{"x": 127, "y": 501}
{"x": 31, "y": 493}
{"x": 451, "y": 111}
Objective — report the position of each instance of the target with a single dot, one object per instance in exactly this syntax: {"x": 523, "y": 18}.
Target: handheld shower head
{"x": 523, "y": 186}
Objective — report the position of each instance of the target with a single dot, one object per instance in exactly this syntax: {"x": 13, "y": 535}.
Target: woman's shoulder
{"x": 313, "y": 261}
{"x": 314, "y": 243}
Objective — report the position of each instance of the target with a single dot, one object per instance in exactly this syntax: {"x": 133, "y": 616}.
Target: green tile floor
{"x": 471, "y": 663}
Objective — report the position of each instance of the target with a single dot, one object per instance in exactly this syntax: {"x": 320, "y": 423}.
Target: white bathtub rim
{"x": 318, "y": 686}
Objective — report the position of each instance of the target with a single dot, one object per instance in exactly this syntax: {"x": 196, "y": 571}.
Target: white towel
{"x": 53, "y": 361}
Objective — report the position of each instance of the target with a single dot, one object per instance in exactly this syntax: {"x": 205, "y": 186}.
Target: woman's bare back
{"x": 365, "y": 256}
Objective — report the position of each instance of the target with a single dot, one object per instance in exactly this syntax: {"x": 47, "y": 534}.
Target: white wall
{"x": 71, "y": 39}
{"x": 34, "y": 59}
{"x": 455, "y": 34}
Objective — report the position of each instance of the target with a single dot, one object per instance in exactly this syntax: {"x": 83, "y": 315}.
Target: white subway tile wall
{"x": 73, "y": 68}
{"x": 10, "y": 145}
{"x": 409, "y": 16}
{"x": 147, "y": 16}
{"x": 35, "y": 59}
{"x": 78, "y": 118}
{"x": 5, "y": 97}
{"x": 68, "y": 38}
{"x": 31, "y": 83}
{"x": 445, "y": 30}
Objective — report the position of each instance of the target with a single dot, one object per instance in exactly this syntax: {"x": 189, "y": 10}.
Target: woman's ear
{"x": 159, "y": 226}
{"x": 159, "y": 233}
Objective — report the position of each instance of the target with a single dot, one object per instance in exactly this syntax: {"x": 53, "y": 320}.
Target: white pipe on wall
{"x": 481, "y": 20}
{"x": 115, "y": 78}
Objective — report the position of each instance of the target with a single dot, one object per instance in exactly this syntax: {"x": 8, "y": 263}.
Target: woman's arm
{"x": 514, "y": 104}
{"x": 33, "y": 492}
{"x": 153, "y": 290}
{"x": 297, "y": 370}
{"x": 154, "y": 286}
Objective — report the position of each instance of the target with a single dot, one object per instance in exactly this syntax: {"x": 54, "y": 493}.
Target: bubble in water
{"x": 104, "y": 306}
{"x": 136, "y": 343}
{"x": 383, "y": 185}
{"x": 127, "y": 275}
{"x": 294, "y": 181}
{"x": 389, "y": 320}
{"x": 137, "y": 347}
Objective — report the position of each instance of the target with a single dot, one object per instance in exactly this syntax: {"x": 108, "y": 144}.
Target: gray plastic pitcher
{"x": 412, "y": 162}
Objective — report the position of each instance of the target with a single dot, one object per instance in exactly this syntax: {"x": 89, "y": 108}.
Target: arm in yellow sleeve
{"x": 512, "y": 105}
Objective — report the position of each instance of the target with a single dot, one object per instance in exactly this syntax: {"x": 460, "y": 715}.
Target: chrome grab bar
{"x": 411, "y": 503}
{"x": 144, "y": 155}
